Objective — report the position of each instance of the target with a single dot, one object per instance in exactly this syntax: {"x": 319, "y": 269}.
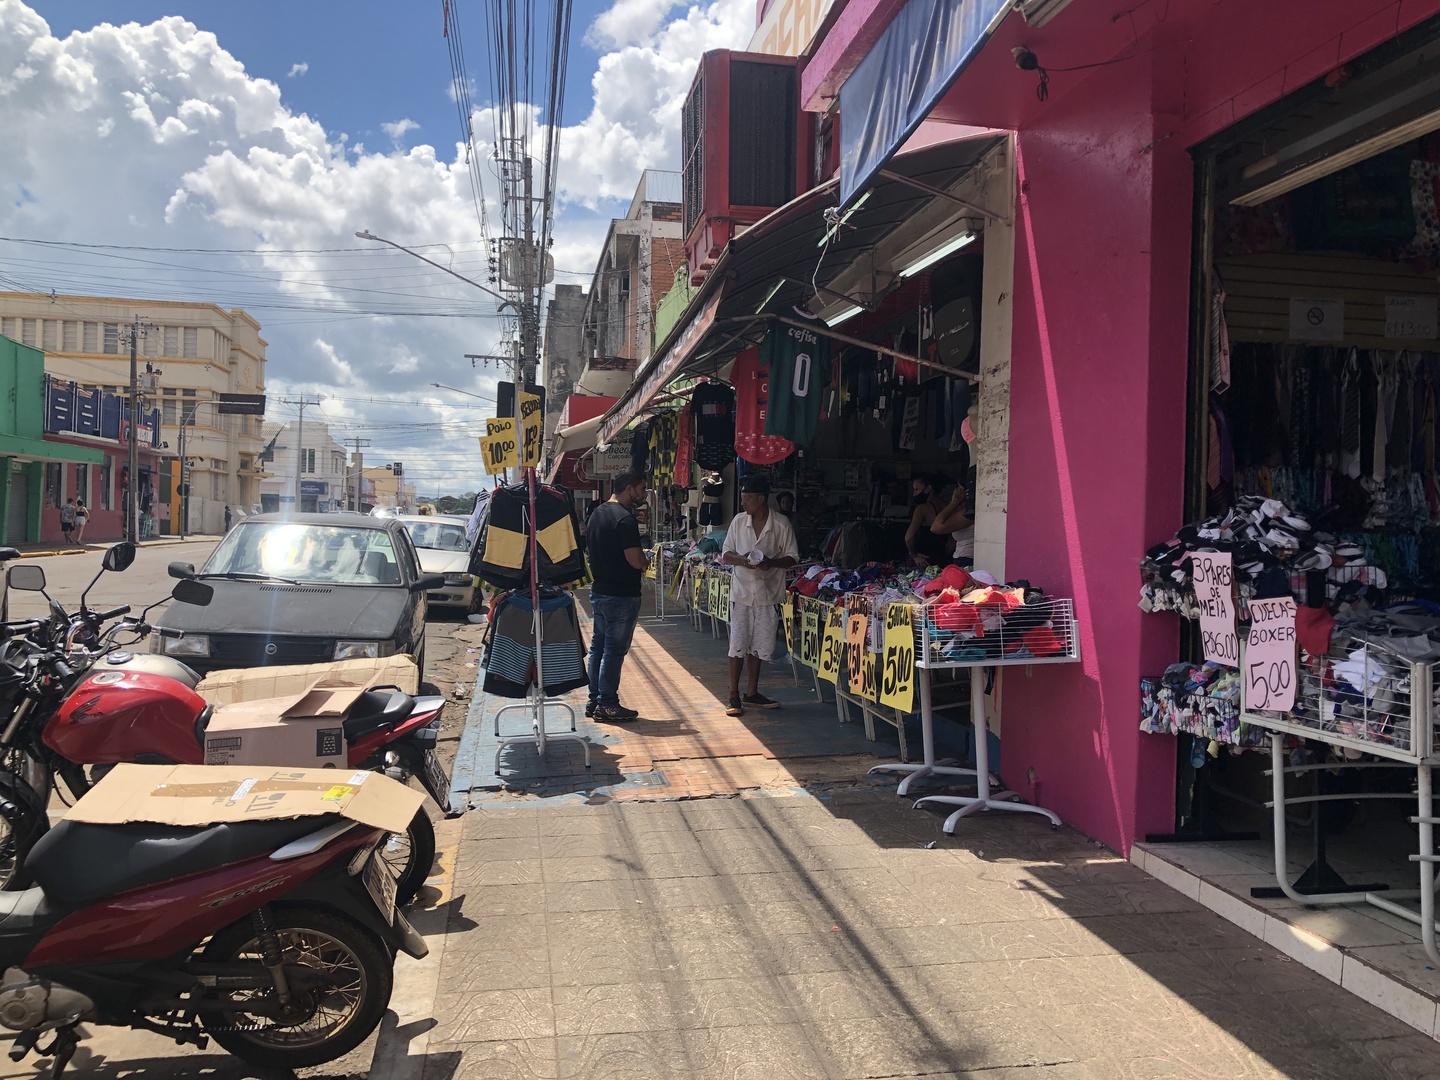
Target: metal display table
{"x": 939, "y": 650}
{"x": 1393, "y": 719}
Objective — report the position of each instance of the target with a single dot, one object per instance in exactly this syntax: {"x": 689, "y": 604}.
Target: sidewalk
{"x": 40, "y": 551}
{"x": 633, "y": 921}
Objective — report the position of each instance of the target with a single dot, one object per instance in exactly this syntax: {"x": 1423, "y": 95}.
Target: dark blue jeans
{"x": 615, "y": 618}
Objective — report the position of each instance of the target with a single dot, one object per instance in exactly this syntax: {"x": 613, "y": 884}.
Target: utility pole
{"x": 132, "y": 516}
{"x": 359, "y": 467}
{"x": 186, "y": 419}
{"x": 302, "y": 402}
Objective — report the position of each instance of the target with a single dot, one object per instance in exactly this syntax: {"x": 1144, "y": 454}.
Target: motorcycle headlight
{"x": 189, "y": 645}
{"x": 361, "y": 650}
{"x": 459, "y": 581}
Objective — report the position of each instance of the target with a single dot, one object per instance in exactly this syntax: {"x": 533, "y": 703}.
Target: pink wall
{"x": 1101, "y": 330}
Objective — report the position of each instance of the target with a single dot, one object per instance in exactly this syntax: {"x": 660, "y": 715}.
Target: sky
{"x": 228, "y": 154}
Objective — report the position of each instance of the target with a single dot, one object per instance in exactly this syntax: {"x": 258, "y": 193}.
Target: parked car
{"x": 440, "y": 539}
{"x": 304, "y": 589}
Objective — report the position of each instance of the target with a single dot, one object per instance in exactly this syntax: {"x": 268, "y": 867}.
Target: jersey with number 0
{"x": 799, "y": 363}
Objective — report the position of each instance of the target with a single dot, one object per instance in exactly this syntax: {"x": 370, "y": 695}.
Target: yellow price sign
{"x": 531, "y": 423}
{"x": 832, "y": 645}
{"x": 897, "y": 674}
{"x": 787, "y": 619}
{"x": 714, "y": 608}
{"x": 498, "y": 453}
{"x": 651, "y": 569}
{"x": 725, "y": 599}
{"x": 857, "y": 626}
{"x": 809, "y": 636}
{"x": 870, "y": 671}
{"x": 697, "y": 586}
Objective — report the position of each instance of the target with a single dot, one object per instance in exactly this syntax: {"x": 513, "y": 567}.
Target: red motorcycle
{"x": 275, "y": 938}
{"x": 84, "y": 704}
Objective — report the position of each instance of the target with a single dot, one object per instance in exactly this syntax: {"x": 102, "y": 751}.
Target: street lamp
{"x": 457, "y": 390}
{"x": 367, "y": 235}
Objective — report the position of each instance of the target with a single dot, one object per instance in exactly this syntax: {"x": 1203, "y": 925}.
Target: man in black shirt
{"x": 617, "y": 563}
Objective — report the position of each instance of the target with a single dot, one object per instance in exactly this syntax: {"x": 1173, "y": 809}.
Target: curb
{"x": 100, "y": 546}
{"x": 403, "y": 1044}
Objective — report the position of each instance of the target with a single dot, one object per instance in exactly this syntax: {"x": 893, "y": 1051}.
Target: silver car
{"x": 440, "y": 541}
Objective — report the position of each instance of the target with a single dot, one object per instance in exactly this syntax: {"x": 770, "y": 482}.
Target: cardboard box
{"x": 251, "y": 684}
{"x": 188, "y": 795}
{"x": 304, "y": 730}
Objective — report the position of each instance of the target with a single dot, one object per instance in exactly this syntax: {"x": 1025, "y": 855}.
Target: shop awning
{"x": 579, "y": 436}
{"x": 903, "y": 77}
{"x": 773, "y": 266}
{"x": 17, "y": 446}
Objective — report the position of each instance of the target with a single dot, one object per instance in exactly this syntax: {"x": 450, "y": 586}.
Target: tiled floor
{"x": 801, "y": 936}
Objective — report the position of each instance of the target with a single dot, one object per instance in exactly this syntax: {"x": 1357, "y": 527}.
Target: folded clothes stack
{"x": 1197, "y": 699}
{"x": 1274, "y": 551}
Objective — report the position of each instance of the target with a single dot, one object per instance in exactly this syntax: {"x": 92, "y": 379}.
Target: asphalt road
{"x": 111, "y": 1053}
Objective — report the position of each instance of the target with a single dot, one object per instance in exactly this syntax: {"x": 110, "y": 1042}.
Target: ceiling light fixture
{"x": 951, "y": 246}
{"x": 843, "y": 314}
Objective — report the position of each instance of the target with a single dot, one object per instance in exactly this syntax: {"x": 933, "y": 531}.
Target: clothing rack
{"x": 537, "y": 703}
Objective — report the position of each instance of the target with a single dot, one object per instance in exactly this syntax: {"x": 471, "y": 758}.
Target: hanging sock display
{"x": 501, "y": 555}
{"x": 713, "y": 408}
{"x": 751, "y": 394}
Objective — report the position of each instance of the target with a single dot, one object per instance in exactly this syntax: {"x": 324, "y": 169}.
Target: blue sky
{"x": 126, "y": 123}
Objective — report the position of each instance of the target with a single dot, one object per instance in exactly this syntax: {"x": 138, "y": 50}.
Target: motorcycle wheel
{"x": 329, "y": 1022}
{"x": 23, "y": 821}
{"x": 410, "y": 856}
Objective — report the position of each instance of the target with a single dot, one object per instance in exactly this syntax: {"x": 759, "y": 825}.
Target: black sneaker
{"x": 590, "y": 707}
{"x": 734, "y": 708}
{"x": 615, "y": 714}
{"x": 760, "y": 701}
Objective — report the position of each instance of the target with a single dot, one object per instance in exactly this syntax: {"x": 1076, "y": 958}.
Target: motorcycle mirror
{"x": 27, "y": 578}
{"x": 190, "y": 591}
{"x": 119, "y": 557}
{"x": 181, "y": 570}
{"x": 8, "y": 553}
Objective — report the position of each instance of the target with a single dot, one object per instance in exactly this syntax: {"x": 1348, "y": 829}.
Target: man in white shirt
{"x": 760, "y": 545}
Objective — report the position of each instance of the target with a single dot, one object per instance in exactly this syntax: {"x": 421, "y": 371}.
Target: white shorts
{"x": 752, "y": 629}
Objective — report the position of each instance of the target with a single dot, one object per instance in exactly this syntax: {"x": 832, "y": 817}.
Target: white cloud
{"x": 397, "y": 130}
{"x": 298, "y": 69}
{"x": 155, "y": 135}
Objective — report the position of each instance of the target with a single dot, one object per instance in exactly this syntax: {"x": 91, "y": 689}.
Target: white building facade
{"x": 323, "y": 464}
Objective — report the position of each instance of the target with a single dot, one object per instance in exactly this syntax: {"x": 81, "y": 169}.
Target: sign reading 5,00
{"x": 809, "y": 636}
{"x": 897, "y": 673}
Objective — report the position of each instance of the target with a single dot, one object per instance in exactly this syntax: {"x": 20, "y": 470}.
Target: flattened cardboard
{"x": 188, "y": 795}
{"x": 250, "y": 684}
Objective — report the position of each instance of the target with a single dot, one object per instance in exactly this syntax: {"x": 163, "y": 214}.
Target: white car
{"x": 440, "y": 541}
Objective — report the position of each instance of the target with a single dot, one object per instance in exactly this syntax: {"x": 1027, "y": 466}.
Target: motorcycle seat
{"x": 78, "y": 863}
{"x": 376, "y": 709}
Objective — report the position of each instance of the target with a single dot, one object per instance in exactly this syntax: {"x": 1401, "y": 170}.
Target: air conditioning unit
{"x": 745, "y": 148}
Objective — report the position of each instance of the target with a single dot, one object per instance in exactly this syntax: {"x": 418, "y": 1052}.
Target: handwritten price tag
{"x": 530, "y": 423}
{"x": 857, "y": 625}
{"x": 1268, "y": 680}
{"x": 897, "y": 674}
{"x": 832, "y": 646}
{"x": 1214, "y": 579}
{"x": 787, "y": 619}
{"x": 809, "y": 636}
{"x": 498, "y": 453}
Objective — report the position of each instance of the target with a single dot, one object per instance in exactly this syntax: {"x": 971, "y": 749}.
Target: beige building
{"x": 384, "y": 488}
{"x": 199, "y": 351}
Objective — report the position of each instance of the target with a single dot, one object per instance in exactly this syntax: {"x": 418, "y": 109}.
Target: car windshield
{"x": 333, "y": 554}
{"x": 439, "y": 535}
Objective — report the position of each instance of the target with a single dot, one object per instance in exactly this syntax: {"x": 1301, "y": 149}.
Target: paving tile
{"x": 486, "y": 901}
{"x": 603, "y": 895}
{"x": 515, "y": 1014}
{"x": 667, "y": 1006}
{"x": 470, "y": 875}
{"x": 525, "y": 1059}
{"x": 591, "y": 868}
{"x": 498, "y": 849}
{"x": 920, "y": 1046}
{"x": 524, "y": 966}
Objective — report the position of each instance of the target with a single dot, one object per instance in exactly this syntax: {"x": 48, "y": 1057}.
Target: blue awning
{"x": 891, "y": 91}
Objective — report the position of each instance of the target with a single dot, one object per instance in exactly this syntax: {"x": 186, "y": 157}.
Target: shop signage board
{"x": 809, "y": 635}
{"x": 1313, "y": 319}
{"x": 1214, "y": 577}
{"x": 1411, "y": 317}
{"x": 610, "y": 462}
{"x": 897, "y": 674}
{"x": 832, "y": 644}
{"x": 857, "y": 626}
{"x": 1267, "y": 680}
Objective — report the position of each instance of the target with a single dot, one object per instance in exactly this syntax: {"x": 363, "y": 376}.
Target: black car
{"x": 304, "y": 589}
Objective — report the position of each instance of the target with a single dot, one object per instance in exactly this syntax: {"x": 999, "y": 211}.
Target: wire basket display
{"x": 1364, "y": 697}
{"x": 956, "y": 634}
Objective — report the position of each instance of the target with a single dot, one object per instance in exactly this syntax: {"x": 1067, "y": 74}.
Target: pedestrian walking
{"x": 82, "y": 518}
{"x": 760, "y": 545}
{"x": 228, "y": 519}
{"x": 617, "y": 564}
{"x": 67, "y": 520}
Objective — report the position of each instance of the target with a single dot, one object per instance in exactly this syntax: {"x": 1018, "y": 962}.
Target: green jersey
{"x": 798, "y": 360}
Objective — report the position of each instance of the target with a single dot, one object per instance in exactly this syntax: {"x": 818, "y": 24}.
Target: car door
{"x": 416, "y": 606}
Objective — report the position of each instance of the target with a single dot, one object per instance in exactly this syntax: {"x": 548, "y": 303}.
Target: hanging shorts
{"x": 752, "y": 629}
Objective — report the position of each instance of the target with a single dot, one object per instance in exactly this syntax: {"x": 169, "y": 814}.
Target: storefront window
{"x": 82, "y": 484}
{"x": 107, "y": 486}
{"x": 54, "y": 484}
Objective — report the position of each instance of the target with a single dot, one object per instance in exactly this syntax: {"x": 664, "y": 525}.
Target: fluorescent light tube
{"x": 948, "y": 248}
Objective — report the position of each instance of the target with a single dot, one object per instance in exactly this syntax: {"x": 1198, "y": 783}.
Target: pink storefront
{"x": 1132, "y": 124}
